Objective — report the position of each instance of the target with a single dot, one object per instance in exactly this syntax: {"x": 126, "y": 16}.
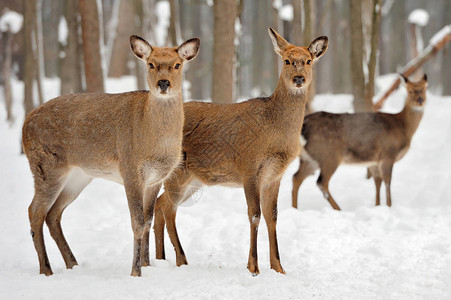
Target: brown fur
{"x": 248, "y": 144}
{"x": 375, "y": 139}
{"x": 133, "y": 138}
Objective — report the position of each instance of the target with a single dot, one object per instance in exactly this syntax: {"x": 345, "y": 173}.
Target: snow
{"x": 440, "y": 35}
{"x": 11, "y": 21}
{"x": 362, "y": 252}
{"x": 63, "y": 31}
{"x": 419, "y": 17}
{"x": 286, "y": 12}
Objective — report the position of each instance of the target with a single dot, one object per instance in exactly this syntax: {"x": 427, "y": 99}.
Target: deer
{"x": 248, "y": 144}
{"x": 373, "y": 139}
{"x": 133, "y": 138}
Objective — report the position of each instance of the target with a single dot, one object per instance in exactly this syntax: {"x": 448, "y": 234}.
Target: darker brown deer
{"x": 376, "y": 140}
{"x": 133, "y": 138}
{"x": 247, "y": 144}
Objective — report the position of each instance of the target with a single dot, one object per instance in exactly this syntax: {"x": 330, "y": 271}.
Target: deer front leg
{"x": 323, "y": 184}
{"x": 269, "y": 208}
{"x": 374, "y": 172}
{"x": 305, "y": 169}
{"x": 252, "y": 192}
{"x": 134, "y": 190}
{"x": 149, "y": 204}
{"x": 386, "y": 170}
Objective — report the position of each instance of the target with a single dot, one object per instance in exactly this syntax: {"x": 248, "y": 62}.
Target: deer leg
{"x": 134, "y": 190}
{"x": 323, "y": 183}
{"x": 47, "y": 188}
{"x": 252, "y": 192}
{"x": 305, "y": 169}
{"x": 158, "y": 229}
{"x": 74, "y": 186}
{"x": 386, "y": 170}
{"x": 150, "y": 197}
{"x": 269, "y": 208}
{"x": 177, "y": 190}
{"x": 374, "y": 172}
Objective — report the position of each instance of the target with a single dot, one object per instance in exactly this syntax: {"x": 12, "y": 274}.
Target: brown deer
{"x": 248, "y": 144}
{"x": 376, "y": 140}
{"x": 133, "y": 138}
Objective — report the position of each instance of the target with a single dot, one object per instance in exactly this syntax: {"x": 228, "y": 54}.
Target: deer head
{"x": 297, "y": 61}
{"x": 164, "y": 75}
{"x": 416, "y": 92}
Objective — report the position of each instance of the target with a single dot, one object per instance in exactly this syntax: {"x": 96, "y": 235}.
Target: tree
{"x": 357, "y": 76}
{"x": 71, "y": 69}
{"x": 90, "y": 25}
{"x": 225, "y": 12}
{"x": 375, "y": 28}
{"x": 29, "y": 8}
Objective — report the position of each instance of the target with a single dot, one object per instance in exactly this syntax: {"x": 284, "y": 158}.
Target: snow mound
{"x": 11, "y": 21}
{"x": 419, "y": 17}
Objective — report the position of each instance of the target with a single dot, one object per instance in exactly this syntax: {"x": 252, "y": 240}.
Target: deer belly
{"x": 108, "y": 172}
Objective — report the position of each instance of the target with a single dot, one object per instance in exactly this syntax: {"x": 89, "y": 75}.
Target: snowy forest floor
{"x": 362, "y": 252}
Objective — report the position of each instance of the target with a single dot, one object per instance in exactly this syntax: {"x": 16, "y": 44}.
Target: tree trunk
{"x": 6, "y": 74}
{"x": 38, "y": 51}
{"x": 51, "y": 13}
{"x": 91, "y": 45}
{"x": 357, "y": 76}
{"x": 375, "y": 29}
{"x": 29, "y": 21}
{"x": 225, "y": 12}
{"x": 174, "y": 24}
{"x": 296, "y": 29}
{"x": 309, "y": 21}
{"x": 275, "y": 58}
{"x": 121, "y": 47}
{"x": 71, "y": 73}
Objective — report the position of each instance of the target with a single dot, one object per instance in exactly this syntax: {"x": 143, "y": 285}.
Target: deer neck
{"x": 412, "y": 117}
{"x": 289, "y": 105}
{"x": 166, "y": 112}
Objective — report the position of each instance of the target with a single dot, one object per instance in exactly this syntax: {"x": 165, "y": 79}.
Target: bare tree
{"x": 174, "y": 24}
{"x": 90, "y": 25}
{"x": 71, "y": 70}
{"x": 375, "y": 30}
{"x": 29, "y": 8}
{"x": 357, "y": 76}
{"x": 296, "y": 29}
{"x": 225, "y": 12}
{"x": 38, "y": 51}
{"x": 118, "y": 64}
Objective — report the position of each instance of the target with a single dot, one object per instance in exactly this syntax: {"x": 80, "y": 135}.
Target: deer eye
{"x": 287, "y": 61}
{"x": 309, "y": 61}
{"x": 177, "y": 66}
{"x": 151, "y": 65}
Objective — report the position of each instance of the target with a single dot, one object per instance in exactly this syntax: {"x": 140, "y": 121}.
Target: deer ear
{"x": 140, "y": 47}
{"x": 278, "y": 42}
{"x": 189, "y": 49}
{"x": 406, "y": 80}
{"x": 318, "y": 47}
{"x": 425, "y": 78}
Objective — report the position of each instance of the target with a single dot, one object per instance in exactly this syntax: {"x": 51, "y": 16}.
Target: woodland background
{"x": 83, "y": 42}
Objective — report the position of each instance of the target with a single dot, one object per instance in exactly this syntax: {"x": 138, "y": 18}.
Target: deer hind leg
{"x": 327, "y": 170}
{"x": 178, "y": 189}
{"x": 48, "y": 185}
{"x": 150, "y": 197}
{"x": 386, "y": 169}
{"x": 374, "y": 172}
{"x": 269, "y": 208}
{"x": 252, "y": 192}
{"x": 306, "y": 168}
{"x": 77, "y": 181}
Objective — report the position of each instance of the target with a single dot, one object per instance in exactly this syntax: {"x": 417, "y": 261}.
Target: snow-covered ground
{"x": 362, "y": 252}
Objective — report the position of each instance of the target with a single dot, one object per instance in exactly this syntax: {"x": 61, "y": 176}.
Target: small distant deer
{"x": 133, "y": 138}
{"x": 248, "y": 144}
{"x": 376, "y": 140}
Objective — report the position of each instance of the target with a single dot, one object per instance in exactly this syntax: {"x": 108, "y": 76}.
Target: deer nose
{"x": 420, "y": 100}
{"x": 299, "y": 79}
{"x": 163, "y": 85}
